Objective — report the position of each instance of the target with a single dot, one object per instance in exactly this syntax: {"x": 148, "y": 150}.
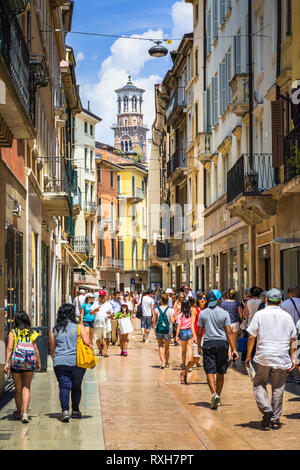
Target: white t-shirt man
{"x": 78, "y": 302}
{"x": 274, "y": 328}
{"x": 147, "y": 305}
{"x": 102, "y": 319}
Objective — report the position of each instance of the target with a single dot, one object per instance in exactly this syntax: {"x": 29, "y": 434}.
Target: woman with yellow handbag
{"x": 72, "y": 353}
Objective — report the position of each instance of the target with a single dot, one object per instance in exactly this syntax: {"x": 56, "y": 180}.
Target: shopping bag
{"x": 125, "y": 326}
{"x": 85, "y": 356}
{"x": 195, "y": 350}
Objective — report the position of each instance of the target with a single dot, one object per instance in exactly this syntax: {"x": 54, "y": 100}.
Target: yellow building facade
{"x": 133, "y": 246}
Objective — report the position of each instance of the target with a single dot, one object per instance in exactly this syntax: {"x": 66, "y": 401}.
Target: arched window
{"x": 125, "y": 104}
{"x": 134, "y": 104}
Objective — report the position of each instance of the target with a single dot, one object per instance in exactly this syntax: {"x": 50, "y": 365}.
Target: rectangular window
{"x": 85, "y": 157}
{"x": 85, "y": 127}
{"x": 119, "y": 183}
{"x": 91, "y": 129}
{"x": 237, "y": 53}
{"x": 99, "y": 211}
{"x": 222, "y": 69}
{"x": 208, "y": 33}
{"x": 196, "y": 119}
{"x": 100, "y": 252}
{"x": 111, "y": 179}
{"x": 196, "y": 63}
{"x": 133, "y": 185}
{"x": 98, "y": 173}
{"x": 91, "y": 159}
{"x": 228, "y": 78}
{"x": 215, "y": 100}
{"x": 228, "y": 3}
{"x": 112, "y": 248}
{"x": 215, "y": 20}
{"x": 222, "y": 11}
{"x": 86, "y": 189}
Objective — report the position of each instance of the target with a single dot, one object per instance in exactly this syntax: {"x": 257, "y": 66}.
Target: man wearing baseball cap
{"x": 275, "y": 332}
{"x": 103, "y": 313}
{"x": 217, "y": 334}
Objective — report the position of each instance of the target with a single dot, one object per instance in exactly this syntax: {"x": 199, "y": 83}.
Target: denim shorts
{"x": 146, "y": 322}
{"x": 166, "y": 337}
{"x": 89, "y": 324}
{"x": 185, "y": 335}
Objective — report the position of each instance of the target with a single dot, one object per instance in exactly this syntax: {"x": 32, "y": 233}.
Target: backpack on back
{"x": 24, "y": 356}
{"x": 163, "y": 324}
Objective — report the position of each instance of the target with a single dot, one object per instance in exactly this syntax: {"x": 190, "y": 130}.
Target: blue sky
{"x": 103, "y": 63}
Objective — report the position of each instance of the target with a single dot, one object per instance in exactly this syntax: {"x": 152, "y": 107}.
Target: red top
{"x": 196, "y": 322}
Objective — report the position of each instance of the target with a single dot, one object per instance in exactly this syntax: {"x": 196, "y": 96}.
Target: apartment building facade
{"x": 109, "y": 263}
{"x": 35, "y": 163}
{"x": 84, "y": 199}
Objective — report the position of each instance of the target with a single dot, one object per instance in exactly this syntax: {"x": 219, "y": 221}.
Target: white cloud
{"x": 80, "y": 56}
{"x": 182, "y": 18}
{"x": 129, "y": 56}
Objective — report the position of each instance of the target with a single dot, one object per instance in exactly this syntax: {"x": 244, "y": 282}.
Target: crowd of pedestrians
{"x": 261, "y": 329}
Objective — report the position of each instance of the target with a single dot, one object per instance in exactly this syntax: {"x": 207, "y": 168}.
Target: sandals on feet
{"x": 183, "y": 379}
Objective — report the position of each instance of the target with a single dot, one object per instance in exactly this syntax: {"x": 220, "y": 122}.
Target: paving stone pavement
{"x": 130, "y": 403}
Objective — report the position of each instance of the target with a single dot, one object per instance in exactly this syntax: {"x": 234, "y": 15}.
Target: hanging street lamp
{"x": 158, "y": 50}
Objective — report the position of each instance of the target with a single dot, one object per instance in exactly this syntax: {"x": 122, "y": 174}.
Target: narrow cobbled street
{"x": 130, "y": 403}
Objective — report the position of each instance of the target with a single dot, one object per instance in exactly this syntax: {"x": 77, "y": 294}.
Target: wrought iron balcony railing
{"x": 176, "y": 104}
{"x": 177, "y": 161}
{"x": 81, "y": 244}
{"x": 292, "y": 155}
{"x": 56, "y": 179}
{"x": 15, "y": 54}
{"x": 250, "y": 176}
{"x": 90, "y": 206}
{"x": 109, "y": 262}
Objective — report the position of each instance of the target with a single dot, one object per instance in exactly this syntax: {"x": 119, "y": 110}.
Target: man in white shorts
{"x": 102, "y": 326}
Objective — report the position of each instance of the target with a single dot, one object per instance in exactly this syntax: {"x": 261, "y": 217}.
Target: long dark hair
{"x": 185, "y": 308}
{"x": 66, "y": 313}
{"x": 22, "y": 322}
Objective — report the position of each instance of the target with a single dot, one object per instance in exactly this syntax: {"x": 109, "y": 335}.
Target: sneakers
{"x": 215, "y": 401}
{"x": 146, "y": 340}
{"x": 266, "y": 421}
{"x": 125, "y": 353}
{"x": 65, "y": 417}
{"x": 76, "y": 414}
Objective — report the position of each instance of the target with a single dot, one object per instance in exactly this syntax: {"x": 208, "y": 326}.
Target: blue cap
{"x": 213, "y": 297}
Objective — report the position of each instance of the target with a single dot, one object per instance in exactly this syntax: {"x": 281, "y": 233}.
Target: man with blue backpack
{"x": 162, "y": 321}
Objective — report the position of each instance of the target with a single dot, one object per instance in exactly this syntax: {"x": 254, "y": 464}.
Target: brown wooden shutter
{"x": 277, "y": 133}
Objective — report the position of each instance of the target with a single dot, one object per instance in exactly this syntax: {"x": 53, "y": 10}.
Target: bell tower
{"x": 129, "y": 131}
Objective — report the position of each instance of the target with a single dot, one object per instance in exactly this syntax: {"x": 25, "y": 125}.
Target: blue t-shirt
{"x": 232, "y": 309}
{"x": 86, "y": 312}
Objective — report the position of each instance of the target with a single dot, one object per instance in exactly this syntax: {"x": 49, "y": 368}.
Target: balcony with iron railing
{"x": 134, "y": 197}
{"x": 57, "y": 197}
{"x": 81, "y": 245}
{"x": 247, "y": 183}
{"x": 176, "y": 105}
{"x": 107, "y": 262}
{"x": 177, "y": 164}
{"x": 18, "y": 110}
{"x": 90, "y": 208}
